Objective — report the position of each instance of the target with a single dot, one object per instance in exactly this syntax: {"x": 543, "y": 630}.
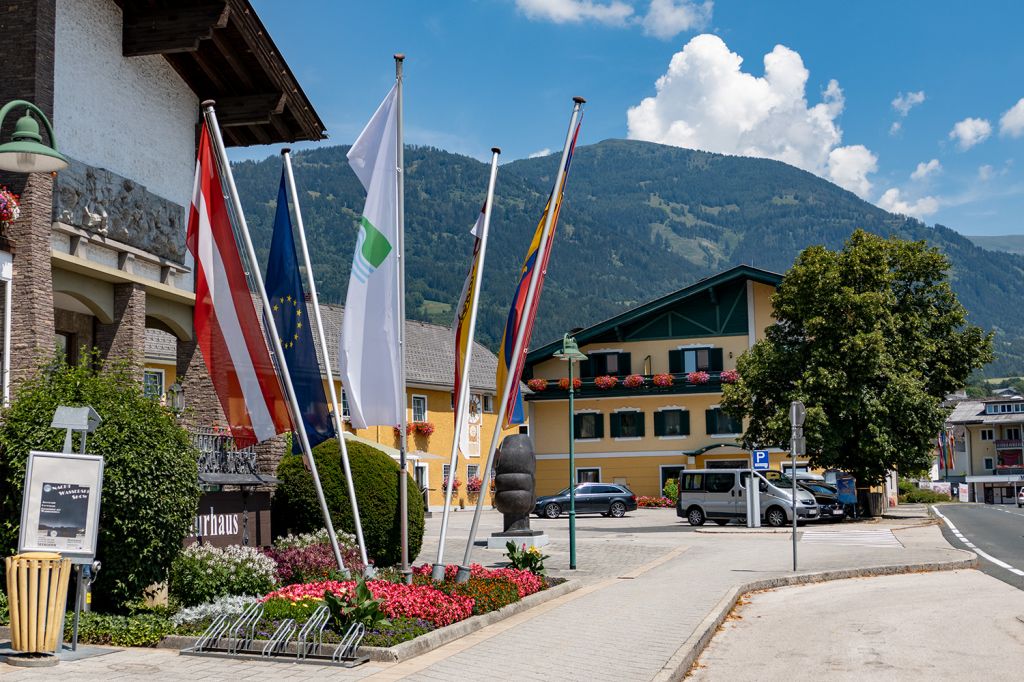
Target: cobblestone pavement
{"x": 649, "y": 580}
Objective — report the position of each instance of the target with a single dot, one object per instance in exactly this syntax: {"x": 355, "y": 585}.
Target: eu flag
{"x": 288, "y": 301}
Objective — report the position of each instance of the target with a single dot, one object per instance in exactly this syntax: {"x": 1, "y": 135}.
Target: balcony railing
{"x": 1009, "y": 444}
{"x": 589, "y": 388}
{"x": 221, "y": 462}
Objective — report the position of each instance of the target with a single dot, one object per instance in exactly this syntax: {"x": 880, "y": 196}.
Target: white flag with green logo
{"x": 370, "y": 365}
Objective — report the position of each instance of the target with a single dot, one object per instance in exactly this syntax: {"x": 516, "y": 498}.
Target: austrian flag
{"x": 226, "y": 326}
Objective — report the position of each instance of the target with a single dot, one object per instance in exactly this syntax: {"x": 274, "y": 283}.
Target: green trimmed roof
{"x": 660, "y": 306}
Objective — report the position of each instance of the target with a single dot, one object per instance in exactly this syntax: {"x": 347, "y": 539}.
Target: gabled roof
{"x": 658, "y": 305}
{"x": 223, "y": 52}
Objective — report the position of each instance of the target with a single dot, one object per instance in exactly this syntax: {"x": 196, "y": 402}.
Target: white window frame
{"x": 643, "y": 415}
{"x": 487, "y": 403}
{"x": 346, "y": 412}
{"x": 445, "y": 470}
{"x": 426, "y": 474}
{"x": 989, "y": 463}
{"x": 662, "y": 467}
{"x": 470, "y": 468}
{"x": 673, "y": 408}
{"x": 694, "y": 347}
{"x": 163, "y": 381}
{"x": 600, "y": 477}
{"x": 1010, "y": 430}
{"x": 412, "y": 407}
{"x": 585, "y": 440}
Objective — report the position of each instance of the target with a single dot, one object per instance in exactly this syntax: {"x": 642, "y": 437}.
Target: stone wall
{"x": 79, "y": 326}
{"x": 125, "y": 338}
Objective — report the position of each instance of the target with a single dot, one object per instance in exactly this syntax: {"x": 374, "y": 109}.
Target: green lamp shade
{"x": 26, "y": 153}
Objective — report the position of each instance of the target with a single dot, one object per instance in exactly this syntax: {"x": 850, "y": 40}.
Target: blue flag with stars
{"x": 288, "y": 301}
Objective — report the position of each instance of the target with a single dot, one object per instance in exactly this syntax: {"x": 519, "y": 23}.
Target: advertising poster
{"x": 61, "y": 504}
{"x": 847, "y": 488}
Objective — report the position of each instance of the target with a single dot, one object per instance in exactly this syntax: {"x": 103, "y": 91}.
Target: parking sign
{"x": 760, "y": 459}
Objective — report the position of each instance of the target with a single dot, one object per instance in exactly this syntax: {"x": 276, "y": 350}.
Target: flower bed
{"x": 646, "y": 501}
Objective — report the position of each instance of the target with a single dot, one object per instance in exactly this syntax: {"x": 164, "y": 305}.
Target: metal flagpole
{"x": 463, "y": 574}
{"x": 338, "y": 417}
{"x": 464, "y": 386}
{"x": 268, "y": 315}
{"x": 403, "y": 483}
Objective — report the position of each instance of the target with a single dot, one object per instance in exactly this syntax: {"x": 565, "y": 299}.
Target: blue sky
{"x": 916, "y": 106}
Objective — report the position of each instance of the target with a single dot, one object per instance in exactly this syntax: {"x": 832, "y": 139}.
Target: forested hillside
{"x": 639, "y": 220}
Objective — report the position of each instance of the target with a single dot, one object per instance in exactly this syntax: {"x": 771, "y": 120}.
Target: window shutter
{"x": 715, "y": 360}
{"x": 711, "y": 421}
{"x": 599, "y": 426}
{"x": 641, "y": 423}
{"x": 659, "y": 423}
{"x": 625, "y": 367}
{"x": 684, "y": 422}
{"x": 614, "y": 423}
{"x": 576, "y": 419}
{"x": 675, "y": 361}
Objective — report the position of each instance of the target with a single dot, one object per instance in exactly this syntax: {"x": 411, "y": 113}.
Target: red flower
{"x": 563, "y": 383}
{"x": 606, "y": 382}
{"x": 662, "y": 380}
{"x": 699, "y": 377}
{"x": 730, "y": 376}
{"x": 633, "y": 381}
{"x": 537, "y": 385}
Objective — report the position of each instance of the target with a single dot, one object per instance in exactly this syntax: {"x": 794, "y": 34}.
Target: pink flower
{"x": 633, "y": 381}
{"x": 662, "y": 380}
{"x": 699, "y": 377}
{"x": 730, "y": 376}
{"x": 537, "y": 385}
{"x": 606, "y": 382}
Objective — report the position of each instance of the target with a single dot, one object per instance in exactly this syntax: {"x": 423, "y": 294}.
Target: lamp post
{"x": 571, "y": 353}
{"x": 176, "y": 399}
{"x": 26, "y": 152}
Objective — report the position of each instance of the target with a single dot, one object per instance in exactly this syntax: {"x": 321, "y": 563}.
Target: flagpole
{"x": 268, "y": 315}
{"x": 338, "y": 417}
{"x": 464, "y": 386}
{"x": 403, "y": 484}
{"x": 463, "y": 574}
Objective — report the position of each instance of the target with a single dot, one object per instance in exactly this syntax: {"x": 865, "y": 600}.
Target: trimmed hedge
{"x": 296, "y": 509}
{"x": 150, "y": 484}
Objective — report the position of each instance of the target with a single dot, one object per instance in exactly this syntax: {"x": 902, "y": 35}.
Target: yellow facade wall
{"x": 762, "y": 308}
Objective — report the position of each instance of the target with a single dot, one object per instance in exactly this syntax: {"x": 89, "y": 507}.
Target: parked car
{"x": 606, "y": 499}
{"x": 718, "y": 495}
{"x": 1020, "y": 498}
{"x": 827, "y": 497}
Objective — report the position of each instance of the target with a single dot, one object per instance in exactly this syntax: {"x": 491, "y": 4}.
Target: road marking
{"x": 960, "y": 536}
{"x": 874, "y": 537}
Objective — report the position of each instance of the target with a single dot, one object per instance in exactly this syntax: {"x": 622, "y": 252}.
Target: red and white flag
{"x": 226, "y": 325}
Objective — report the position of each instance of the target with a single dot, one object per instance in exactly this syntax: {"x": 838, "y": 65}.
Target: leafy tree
{"x": 150, "y": 484}
{"x": 871, "y": 338}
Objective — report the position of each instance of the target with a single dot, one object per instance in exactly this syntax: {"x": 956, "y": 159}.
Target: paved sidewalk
{"x": 945, "y": 625}
{"x": 650, "y": 582}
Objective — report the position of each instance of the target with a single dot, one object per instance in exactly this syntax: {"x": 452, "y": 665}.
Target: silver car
{"x": 719, "y": 495}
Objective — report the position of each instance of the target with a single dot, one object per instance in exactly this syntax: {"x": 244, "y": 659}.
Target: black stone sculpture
{"x": 514, "y": 484}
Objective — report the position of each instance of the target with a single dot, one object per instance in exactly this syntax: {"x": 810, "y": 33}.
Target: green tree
{"x": 871, "y": 338}
{"x": 150, "y": 484}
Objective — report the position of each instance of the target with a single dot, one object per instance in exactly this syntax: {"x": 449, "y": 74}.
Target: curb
{"x": 679, "y": 665}
{"x": 431, "y": 640}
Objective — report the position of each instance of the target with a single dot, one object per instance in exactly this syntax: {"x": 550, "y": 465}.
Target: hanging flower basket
{"x": 424, "y": 428}
{"x": 537, "y": 385}
{"x": 730, "y": 376}
{"x": 662, "y": 380}
{"x": 409, "y": 428}
{"x": 563, "y": 383}
{"x": 455, "y": 485}
{"x": 633, "y": 381}
{"x": 474, "y": 484}
{"x": 698, "y": 377}
{"x": 606, "y": 382}
{"x": 10, "y": 207}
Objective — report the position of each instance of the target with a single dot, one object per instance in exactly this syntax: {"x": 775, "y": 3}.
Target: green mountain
{"x": 639, "y": 220}
{"x": 1010, "y": 243}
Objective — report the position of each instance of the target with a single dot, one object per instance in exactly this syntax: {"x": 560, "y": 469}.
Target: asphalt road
{"x": 994, "y": 531}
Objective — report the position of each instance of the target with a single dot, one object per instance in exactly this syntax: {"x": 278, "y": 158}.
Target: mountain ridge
{"x": 639, "y": 220}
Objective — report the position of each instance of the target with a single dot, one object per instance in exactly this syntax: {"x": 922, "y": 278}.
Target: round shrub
{"x": 375, "y": 475}
{"x": 150, "y": 486}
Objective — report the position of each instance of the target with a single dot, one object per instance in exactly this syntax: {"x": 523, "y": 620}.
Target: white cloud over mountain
{"x": 970, "y": 131}
{"x": 893, "y": 200}
{"x": 924, "y": 169}
{"x": 706, "y": 101}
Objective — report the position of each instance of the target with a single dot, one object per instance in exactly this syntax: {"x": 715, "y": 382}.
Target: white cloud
{"x": 706, "y": 101}
{"x": 849, "y": 166}
{"x": 895, "y": 128}
{"x": 986, "y": 172}
{"x": 970, "y": 132}
{"x": 925, "y": 169}
{"x": 1012, "y": 121}
{"x": 539, "y": 153}
{"x": 892, "y": 200}
{"x": 904, "y": 103}
{"x": 667, "y": 18}
{"x": 614, "y": 13}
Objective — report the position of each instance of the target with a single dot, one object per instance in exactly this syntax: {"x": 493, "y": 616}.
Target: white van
{"x": 719, "y": 495}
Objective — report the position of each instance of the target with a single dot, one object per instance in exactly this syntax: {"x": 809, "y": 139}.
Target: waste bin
{"x": 37, "y": 591}
{"x": 876, "y": 504}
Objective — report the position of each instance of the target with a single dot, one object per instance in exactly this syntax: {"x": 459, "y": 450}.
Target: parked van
{"x": 719, "y": 495}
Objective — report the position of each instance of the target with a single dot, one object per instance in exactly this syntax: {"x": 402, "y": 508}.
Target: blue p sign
{"x": 760, "y": 459}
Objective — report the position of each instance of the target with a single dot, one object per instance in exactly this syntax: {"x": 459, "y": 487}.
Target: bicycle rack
{"x": 227, "y": 638}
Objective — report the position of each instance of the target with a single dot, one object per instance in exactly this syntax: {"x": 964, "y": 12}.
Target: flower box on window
{"x": 633, "y": 381}
{"x": 699, "y": 377}
{"x": 730, "y": 376}
{"x": 563, "y": 383}
{"x": 605, "y": 382}
{"x": 424, "y": 428}
{"x": 662, "y": 380}
{"x": 537, "y": 385}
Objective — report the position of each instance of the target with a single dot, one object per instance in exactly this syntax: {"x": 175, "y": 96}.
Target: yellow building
{"x": 643, "y": 435}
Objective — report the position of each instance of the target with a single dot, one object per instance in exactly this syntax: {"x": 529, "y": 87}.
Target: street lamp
{"x": 176, "y": 398}
{"x": 26, "y": 152}
{"x": 571, "y": 353}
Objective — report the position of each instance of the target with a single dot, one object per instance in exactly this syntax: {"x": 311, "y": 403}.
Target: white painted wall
{"x": 132, "y": 115}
